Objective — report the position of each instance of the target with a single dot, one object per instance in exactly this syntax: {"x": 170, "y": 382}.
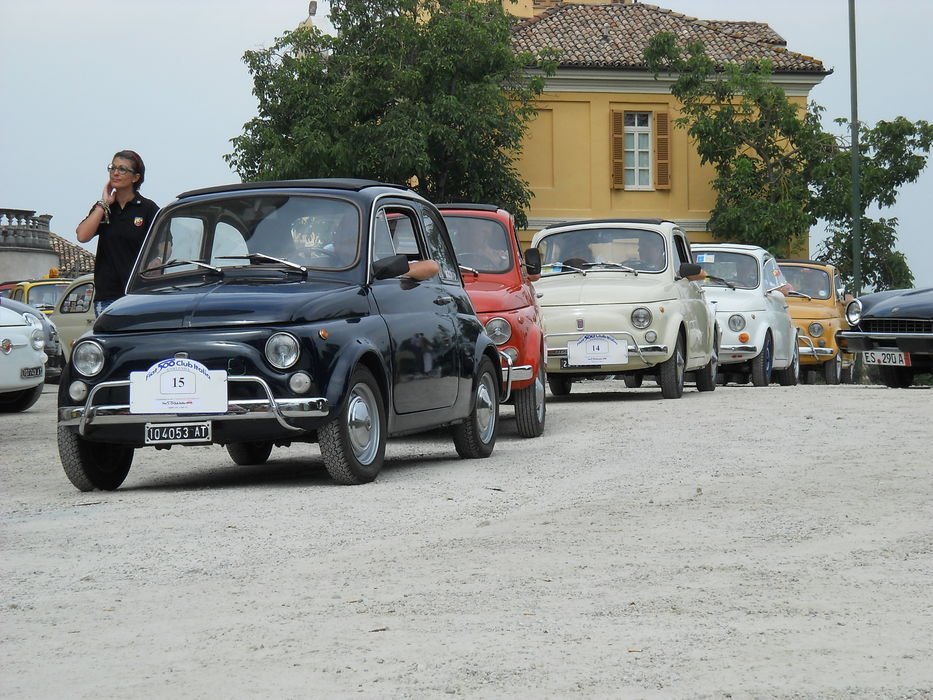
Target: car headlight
{"x": 282, "y": 350}
{"x": 88, "y": 358}
{"x": 32, "y": 320}
{"x": 815, "y": 329}
{"x": 854, "y": 312}
{"x": 37, "y": 339}
{"x": 736, "y": 322}
{"x": 499, "y": 330}
{"x": 641, "y": 317}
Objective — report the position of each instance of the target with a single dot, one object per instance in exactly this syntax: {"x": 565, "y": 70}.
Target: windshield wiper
{"x": 618, "y": 266}
{"x": 720, "y": 280}
{"x": 178, "y": 263}
{"x": 795, "y": 293}
{"x": 262, "y": 257}
{"x": 471, "y": 270}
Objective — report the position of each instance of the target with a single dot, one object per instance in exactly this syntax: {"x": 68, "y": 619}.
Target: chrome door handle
{"x": 441, "y": 301}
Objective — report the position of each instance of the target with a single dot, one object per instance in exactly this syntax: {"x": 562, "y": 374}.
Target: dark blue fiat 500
{"x": 274, "y": 313}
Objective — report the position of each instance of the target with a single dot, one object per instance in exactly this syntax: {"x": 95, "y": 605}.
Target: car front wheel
{"x": 832, "y": 370}
{"x": 790, "y": 375}
{"x": 559, "y": 384}
{"x": 476, "y": 436}
{"x": 762, "y": 363}
{"x": 17, "y": 401}
{"x": 671, "y": 374}
{"x": 896, "y": 377}
{"x": 93, "y": 465}
{"x": 245, "y": 453}
{"x": 353, "y": 445}
{"x": 706, "y": 377}
{"x": 530, "y": 407}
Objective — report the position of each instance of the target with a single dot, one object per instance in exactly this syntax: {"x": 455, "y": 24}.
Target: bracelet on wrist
{"x": 106, "y": 207}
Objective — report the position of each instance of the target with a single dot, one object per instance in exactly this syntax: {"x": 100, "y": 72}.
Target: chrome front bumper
{"x": 806, "y": 348}
{"x": 280, "y": 409}
{"x": 512, "y": 373}
{"x": 649, "y": 354}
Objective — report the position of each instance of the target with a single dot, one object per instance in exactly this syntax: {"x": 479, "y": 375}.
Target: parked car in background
{"x": 759, "y": 338}
{"x": 498, "y": 279}
{"x": 74, "y": 313}
{"x": 55, "y": 360}
{"x": 894, "y": 331}
{"x": 620, "y": 300}
{"x": 42, "y": 293}
{"x": 817, "y": 299}
{"x": 22, "y": 360}
{"x": 285, "y": 315}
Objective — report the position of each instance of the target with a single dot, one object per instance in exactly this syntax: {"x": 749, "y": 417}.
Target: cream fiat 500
{"x": 620, "y": 298}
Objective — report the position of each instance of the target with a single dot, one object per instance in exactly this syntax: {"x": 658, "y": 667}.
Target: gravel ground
{"x": 748, "y": 543}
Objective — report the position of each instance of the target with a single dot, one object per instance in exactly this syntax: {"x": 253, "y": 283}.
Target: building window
{"x": 640, "y": 150}
{"x": 637, "y": 144}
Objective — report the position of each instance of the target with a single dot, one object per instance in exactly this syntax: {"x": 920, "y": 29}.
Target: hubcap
{"x": 485, "y": 415}
{"x": 363, "y": 424}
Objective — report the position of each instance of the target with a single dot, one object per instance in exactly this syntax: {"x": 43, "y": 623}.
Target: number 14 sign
{"x": 597, "y": 350}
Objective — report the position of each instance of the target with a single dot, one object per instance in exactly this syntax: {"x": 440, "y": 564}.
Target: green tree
{"x": 407, "y": 91}
{"x": 778, "y": 172}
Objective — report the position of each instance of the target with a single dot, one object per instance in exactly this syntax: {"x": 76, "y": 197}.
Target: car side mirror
{"x": 392, "y": 266}
{"x": 691, "y": 271}
{"x": 533, "y": 261}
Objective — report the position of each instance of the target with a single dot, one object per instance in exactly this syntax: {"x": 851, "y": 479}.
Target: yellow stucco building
{"x": 603, "y": 143}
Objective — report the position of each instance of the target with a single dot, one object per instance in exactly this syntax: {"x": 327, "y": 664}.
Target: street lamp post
{"x": 856, "y": 193}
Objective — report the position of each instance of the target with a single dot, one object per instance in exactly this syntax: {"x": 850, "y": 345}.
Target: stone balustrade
{"x": 22, "y": 229}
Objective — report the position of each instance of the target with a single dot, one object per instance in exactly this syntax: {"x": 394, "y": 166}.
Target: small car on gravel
{"x": 817, "y": 303}
{"x": 74, "y": 313}
{"x": 498, "y": 277}
{"x": 22, "y": 359}
{"x": 53, "y": 348}
{"x": 621, "y": 299}
{"x": 282, "y": 314}
{"x": 892, "y": 330}
{"x": 747, "y": 288}
{"x": 41, "y": 294}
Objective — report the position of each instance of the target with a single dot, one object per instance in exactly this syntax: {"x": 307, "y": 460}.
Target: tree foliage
{"x": 427, "y": 92}
{"x": 778, "y": 172}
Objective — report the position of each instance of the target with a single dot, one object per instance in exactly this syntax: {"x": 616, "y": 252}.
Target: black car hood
{"x": 233, "y": 305}
{"x": 902, "y": 303}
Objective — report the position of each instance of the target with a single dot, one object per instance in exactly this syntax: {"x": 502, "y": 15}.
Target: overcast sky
{"x": 80, "y": 80}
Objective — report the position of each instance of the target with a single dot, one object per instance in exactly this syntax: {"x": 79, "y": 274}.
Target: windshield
{"x": 637, "y": 249}
{"x": 738, "y": 269}
{"x": 257, "y": 229}
{"x": 808, "y": 280}
{"x": 481, "y": 244}
{"x": 45, "y": 295}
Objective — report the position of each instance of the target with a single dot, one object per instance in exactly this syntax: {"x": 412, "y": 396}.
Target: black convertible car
{"x": 894, "y": 330}
{"x": 275, "y": 313}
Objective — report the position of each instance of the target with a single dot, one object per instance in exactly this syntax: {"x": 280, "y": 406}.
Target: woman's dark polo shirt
{"x": 118, "y": 245}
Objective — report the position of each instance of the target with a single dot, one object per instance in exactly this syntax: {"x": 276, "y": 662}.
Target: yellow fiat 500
{"x": 817, "y": 302}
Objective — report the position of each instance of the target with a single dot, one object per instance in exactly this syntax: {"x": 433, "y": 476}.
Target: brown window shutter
{"x": 617, "y": 120}
{"x": 662, "y": 151}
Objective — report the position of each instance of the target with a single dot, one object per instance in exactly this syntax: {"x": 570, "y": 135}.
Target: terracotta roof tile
{"x": 73, "y": 259}
{"x": 615, "y": 36}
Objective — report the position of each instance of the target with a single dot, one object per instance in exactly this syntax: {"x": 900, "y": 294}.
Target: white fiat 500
{"x": 759, "y": 338}
{"x": 22, "y": 360}
{"x": 619, "y": 298}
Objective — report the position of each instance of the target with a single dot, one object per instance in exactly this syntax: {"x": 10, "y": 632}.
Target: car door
{"x": 697, "y": 313}
{"x": 420, "y": 317}
{"x": 780, "y": 322}
{"x": 74, "y": 315}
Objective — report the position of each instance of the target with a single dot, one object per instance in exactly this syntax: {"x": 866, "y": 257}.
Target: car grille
{"x": 897, "y": 325}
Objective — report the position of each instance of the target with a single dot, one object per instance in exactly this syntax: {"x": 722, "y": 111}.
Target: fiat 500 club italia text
{"x": 620, "y": 299}
{"x": 746, "y": 286}
{"x": 283, "y": 314}
{"x": 498, "y": 277}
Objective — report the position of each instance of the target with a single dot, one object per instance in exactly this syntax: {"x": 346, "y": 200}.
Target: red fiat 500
{"x": 498, "y": 278}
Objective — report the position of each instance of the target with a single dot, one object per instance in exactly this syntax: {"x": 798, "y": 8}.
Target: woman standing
{"x": 121, "y": 217}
